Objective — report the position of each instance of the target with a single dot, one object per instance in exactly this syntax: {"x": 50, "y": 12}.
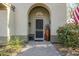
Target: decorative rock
{"x": 77, "y": 50}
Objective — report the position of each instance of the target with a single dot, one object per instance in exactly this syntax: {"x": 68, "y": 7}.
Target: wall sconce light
{"x": 29, "y": 23}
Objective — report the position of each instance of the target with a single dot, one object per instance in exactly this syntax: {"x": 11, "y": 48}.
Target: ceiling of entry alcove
{"x": 39, "y": 10}
{"x": 2, "y": 7}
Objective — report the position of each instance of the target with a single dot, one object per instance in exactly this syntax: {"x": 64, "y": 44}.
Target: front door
{"x": 39, "y": 29}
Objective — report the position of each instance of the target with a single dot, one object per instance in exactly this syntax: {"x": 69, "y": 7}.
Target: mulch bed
{"x": 9, "y": 51}
{"x": 67, "y": 51}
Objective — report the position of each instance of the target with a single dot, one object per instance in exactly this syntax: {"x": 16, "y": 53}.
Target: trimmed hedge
{"x": 68, "y": 35}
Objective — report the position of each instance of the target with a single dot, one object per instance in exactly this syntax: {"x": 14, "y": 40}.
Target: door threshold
{"x": 39, "y": 40}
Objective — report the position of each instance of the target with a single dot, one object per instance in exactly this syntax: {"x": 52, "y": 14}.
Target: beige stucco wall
{"x": 3, "y": 23}
{"x": 3, "y": 27}
{"x": 57, "y": 16}
{"x": 21, "y": 19}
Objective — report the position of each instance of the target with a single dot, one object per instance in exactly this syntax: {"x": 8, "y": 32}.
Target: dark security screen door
{"x": 39, "y": 28}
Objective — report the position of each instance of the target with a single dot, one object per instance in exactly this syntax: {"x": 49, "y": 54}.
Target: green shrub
{"x": 16, "y": 42}
{"x": 4, "y": 54}
{"x": 68, "y": 35}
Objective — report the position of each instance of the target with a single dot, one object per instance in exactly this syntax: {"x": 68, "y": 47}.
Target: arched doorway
{"x": 39, "y": 18}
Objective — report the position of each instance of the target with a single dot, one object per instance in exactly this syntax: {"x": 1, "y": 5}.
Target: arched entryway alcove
{"x": 38, "y": 20}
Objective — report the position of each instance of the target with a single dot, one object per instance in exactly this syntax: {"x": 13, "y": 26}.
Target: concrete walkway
{"x": 39, "y": 48}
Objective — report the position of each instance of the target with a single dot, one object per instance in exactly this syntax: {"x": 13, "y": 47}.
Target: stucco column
{"x": 4, "y": 25}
